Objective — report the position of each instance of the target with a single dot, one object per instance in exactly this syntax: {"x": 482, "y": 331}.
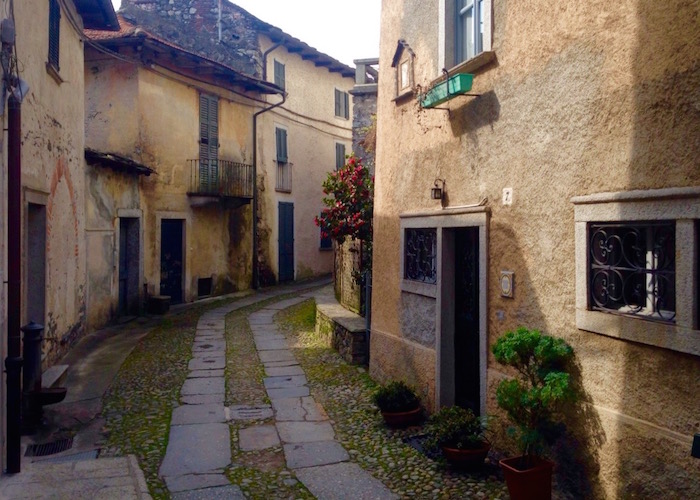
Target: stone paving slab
{"x": 305, "y": 432}
{"x": 277, "y": 355}
{"x": 259, "y": 437}
{"x": 245, "y": 412}
{"x": 216, "y": 334}
{"x": 209, "y": 355}
{"x": 288, "y": 392}
{"x": 313, "y": 454}
{"x": 271, "y": 344}
{"x": 285, "y": 381}
{"x": 284, "y": 304}
{"x": 336, "y": 481}
{"x": 230, "y": 492}
{"x": 209, "y": 385}
{"x": 207, "y": 363}
{"x": 284, "y": 370}
{"x": 196, "y": 449}
{"x": 205, "y": 373}
{"x": 202, "y": 399}
{"x": 262, "y": 329}
{"x": 280, "y": 364}
{"x": 209, "y": 345}
{"x": 198, "y": 414}
{"x": 104, "y": 478}
{"x": 260, "y": 320}
{"x": 268, "y": 337}
{"x": 188, "y": 482}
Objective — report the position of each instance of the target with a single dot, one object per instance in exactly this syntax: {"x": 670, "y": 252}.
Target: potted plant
{"x": 533, "y": 402}
{"x": 398, "y": 404}
{"x": 459, "y": 434}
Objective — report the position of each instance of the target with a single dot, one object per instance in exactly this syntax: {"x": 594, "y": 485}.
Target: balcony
{"x": 220, "y": 180}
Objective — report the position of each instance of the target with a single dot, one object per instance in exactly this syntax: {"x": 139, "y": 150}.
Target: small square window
{"x": 420, "y": 255}
{"x": 342, "y": 104}
{"x": 279, "y": 74}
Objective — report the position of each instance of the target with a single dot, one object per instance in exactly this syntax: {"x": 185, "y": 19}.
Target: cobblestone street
{"x": 300, "y": 419}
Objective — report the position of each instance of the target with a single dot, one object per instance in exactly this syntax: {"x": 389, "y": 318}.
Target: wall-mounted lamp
{"x": 438, "y": 191}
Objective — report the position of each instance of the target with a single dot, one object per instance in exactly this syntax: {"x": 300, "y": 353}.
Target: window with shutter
{"x": 208, "y": 143}
{"x": 339, "y": 155}
{"x": 54, "y": 32}
{"x": 279, "y": 74}
{"x": 284, "y": 172}
{"x": 342, "y": 104}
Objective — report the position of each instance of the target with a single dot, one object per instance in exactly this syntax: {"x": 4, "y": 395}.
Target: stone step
{"x": 54, "y": 376}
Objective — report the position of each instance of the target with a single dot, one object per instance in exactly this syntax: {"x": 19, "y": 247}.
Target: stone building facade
{"x": 49, "y": 51}
{"x": 297, "y": 140}
{"x": 170, "y": 175}
{"x": 581, "y": 122}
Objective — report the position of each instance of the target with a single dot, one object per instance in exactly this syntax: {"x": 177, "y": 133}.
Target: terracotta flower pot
{"x": 466, "y": 457}
{"x": 528, "y": 482}
{"x": 403, "y": 418}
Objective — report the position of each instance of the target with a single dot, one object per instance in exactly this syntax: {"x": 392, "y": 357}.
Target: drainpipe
{"x": 13, "y": 362}
{"x": 256, "y": 271}
{"x": 264, "y": 59}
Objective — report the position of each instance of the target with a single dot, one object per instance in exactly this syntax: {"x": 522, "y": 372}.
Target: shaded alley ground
{"x": 241, "y": 399}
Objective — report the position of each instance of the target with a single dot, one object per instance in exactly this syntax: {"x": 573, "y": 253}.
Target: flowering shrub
{"x": 349, "y": 204}
{"x": 349, "y": 200}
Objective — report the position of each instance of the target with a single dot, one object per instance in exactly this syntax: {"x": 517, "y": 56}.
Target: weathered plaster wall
{"x": 312, "y": 132}
{"x": 163, "y": 133}
{"x": 583, "y": 98}
{"x": 53, "y": 169}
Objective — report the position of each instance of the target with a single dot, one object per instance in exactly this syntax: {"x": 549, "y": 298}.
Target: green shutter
{"x": 279, "y": 74}
{"x": 346, "y": 107}
{"x": 208, "y": 142}
{"x": 281, "y": 141}
{"x": 337, "y": 103}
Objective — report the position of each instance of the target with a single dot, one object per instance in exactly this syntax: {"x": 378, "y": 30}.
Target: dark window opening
{"x": 204, "y": 287}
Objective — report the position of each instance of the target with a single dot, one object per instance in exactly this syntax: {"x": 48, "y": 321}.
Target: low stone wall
{"x": 344, "y": 331}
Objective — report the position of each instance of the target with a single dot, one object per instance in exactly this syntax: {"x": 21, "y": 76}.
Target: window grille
{"x": 54, "y": 32}
{"x": 632, "y": 269}
{"x": 420, "y": 255}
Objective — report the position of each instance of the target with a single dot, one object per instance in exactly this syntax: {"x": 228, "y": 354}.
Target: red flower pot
{"x": 403, "y": 418}
{"x": 466, "y": 457}
{"x": 528, "y": 477}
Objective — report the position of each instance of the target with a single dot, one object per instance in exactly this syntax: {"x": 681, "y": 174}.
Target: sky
{"x": 343, "y": 30}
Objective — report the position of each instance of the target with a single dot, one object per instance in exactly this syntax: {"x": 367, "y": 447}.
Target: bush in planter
{"x": 396, "y": 397}
{"x": 533, "y": 403}
{"x": 455, "y": 427}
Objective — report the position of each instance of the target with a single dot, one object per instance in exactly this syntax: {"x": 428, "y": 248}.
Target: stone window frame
{"x": 447, "y": 39}
{"x": 443, "y": 221}
{"x": 681, "y": 205}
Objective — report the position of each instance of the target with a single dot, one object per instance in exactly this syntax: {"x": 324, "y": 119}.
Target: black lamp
{"x": 438, "y": 191}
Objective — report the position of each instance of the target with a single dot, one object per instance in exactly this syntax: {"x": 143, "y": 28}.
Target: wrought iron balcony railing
{"x": 222, "y": 178}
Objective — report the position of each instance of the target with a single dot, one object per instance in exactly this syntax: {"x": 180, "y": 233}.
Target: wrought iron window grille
{"x": 632, "y": 269}
{"x": 420, "y": 255}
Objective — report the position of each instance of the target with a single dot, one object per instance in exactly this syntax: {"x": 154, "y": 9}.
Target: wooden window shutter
{"x": 279, "y": 74}
{"x": 281, "y": 145}
{"x": 208, "y": 140}
{"x": 339, "y": 156}
{"x": 54, "y": 32}
{"x": 337, "y": 103}
{"x": 346, "y": 107}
